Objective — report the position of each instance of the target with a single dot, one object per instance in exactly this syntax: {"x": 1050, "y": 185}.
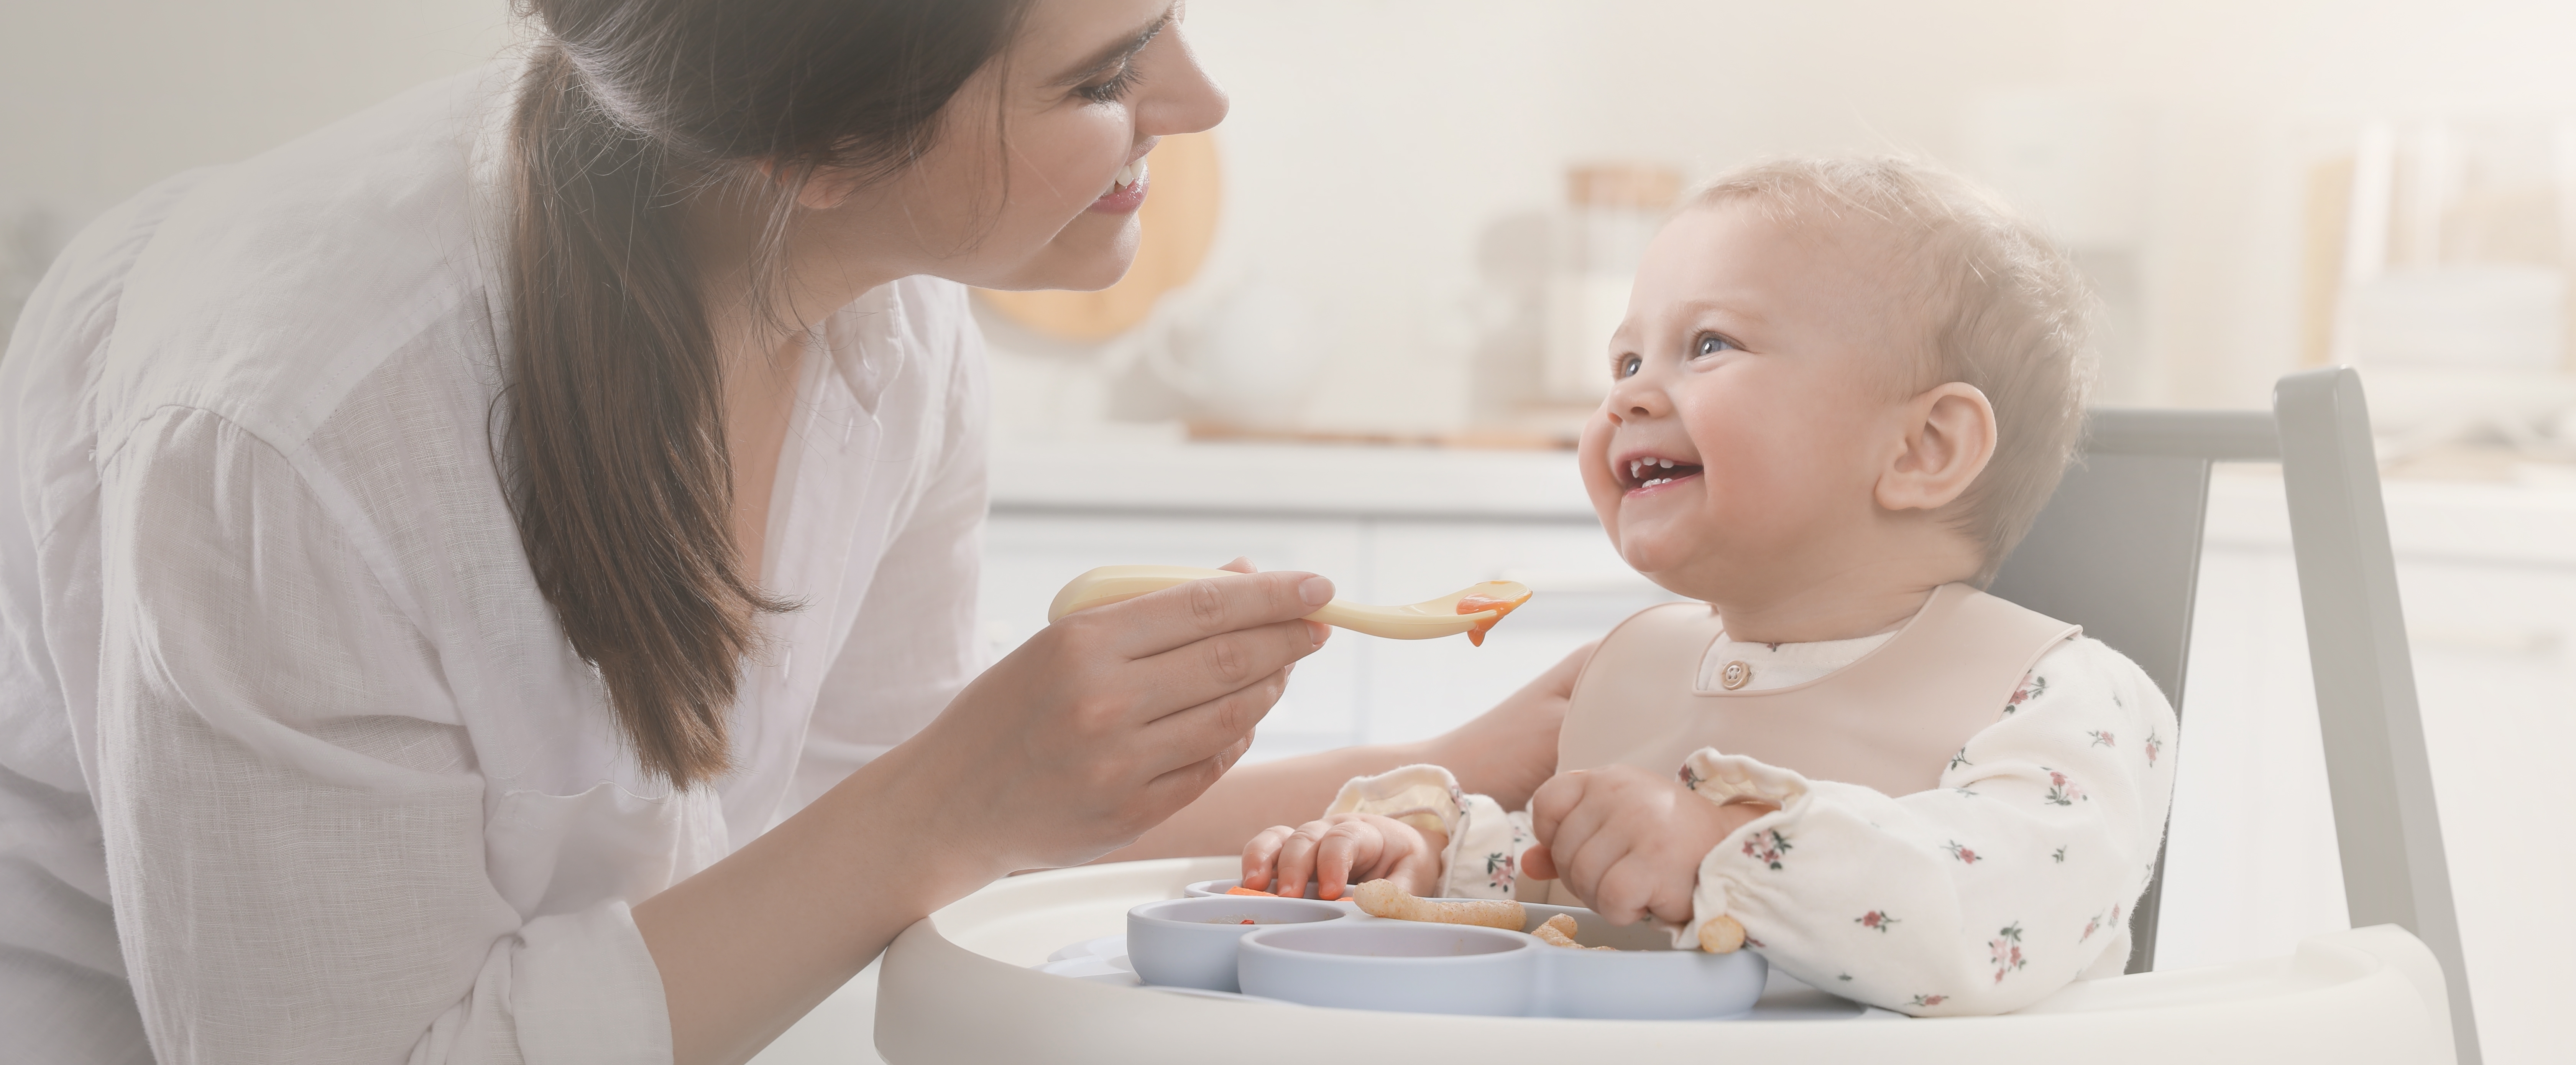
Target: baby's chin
{"x": 1677, "y": 567}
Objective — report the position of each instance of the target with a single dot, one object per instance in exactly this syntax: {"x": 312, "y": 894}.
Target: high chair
{"x": 2117, "y": 550}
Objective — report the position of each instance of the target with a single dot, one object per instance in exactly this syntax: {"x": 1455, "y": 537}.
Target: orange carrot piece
{"x": 1241, "y": 890}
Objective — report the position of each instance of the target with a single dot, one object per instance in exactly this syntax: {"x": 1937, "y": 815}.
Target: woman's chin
{"x": 1075, "y": 262}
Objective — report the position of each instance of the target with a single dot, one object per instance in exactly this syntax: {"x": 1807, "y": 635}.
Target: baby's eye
{"x": 1711, "y": 344}
{"x": 1629, "y": 365}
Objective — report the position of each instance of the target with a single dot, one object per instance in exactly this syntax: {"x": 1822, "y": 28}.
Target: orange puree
{"x": 1502, "y": 608}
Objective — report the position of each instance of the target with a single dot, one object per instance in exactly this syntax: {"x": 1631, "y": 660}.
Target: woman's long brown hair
{"x": 614, "y": 441}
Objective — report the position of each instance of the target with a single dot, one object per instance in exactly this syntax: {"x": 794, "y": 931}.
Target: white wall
{"x": 1375, "y": 142}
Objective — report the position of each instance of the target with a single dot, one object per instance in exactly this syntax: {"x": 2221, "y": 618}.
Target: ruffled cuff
{"x": 1483, "y": 857}
{"x": 1765, "y": 840}
{"x": 1424, "y": 796}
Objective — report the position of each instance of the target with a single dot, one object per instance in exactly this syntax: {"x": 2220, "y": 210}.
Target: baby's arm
{"x": 1474, "y": 847}
{"x": 2013, "y": 878}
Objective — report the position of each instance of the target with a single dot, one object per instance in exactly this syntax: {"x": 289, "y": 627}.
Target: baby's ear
{"x": 1949, "y": 436}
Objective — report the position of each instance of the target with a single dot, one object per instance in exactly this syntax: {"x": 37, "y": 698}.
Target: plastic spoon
{"x": 1428, "y": 619}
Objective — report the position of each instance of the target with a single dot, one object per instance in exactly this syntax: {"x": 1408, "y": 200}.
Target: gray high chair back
{"x": 2118, "y": 551}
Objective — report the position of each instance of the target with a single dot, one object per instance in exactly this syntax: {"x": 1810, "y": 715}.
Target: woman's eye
{"x": 1101, "y": 92}
{"x": 1629, "y": 365}
{"x": 1711, "y": 344}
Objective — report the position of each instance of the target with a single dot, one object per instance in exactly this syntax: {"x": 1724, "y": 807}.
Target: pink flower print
{"x": 1929, "y": 1000}
{"x": 1767, "y": 847}
{"x": 2115, "y": 913}
{"x": 2091, "y": 926}
{"x": 1499, "y": 870}
{"x": 1690, "y": 778}
{"x": 2006, "y": 947}
{"x": 2061, "y": 791}
{"x": 1963, "y": 854}
{"x": 2155, "y": 744}
{"x": 1875, "y": 920}
{"x": 2102, "y": 739}
{"x": 2032, "y": 686}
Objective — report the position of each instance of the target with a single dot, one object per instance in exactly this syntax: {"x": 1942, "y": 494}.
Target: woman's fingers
{"x": 1187, "y": 613}
{"x": 1182, "y": 738}
{"x": 1220, "y": 665}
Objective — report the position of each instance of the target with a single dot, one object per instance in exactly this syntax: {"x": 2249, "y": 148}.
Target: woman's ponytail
{"x": 623, "y": 486}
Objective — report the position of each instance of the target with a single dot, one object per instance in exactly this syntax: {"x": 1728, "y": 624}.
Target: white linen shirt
{"x": 295, "y": 762}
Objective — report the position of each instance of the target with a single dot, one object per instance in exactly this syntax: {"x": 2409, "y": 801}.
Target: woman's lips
{"x": 1126, "y": 191}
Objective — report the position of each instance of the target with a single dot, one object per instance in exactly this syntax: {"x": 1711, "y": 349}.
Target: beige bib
{"x": 1890, "y": 721}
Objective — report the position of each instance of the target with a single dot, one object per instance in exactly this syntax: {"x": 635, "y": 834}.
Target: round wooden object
{"x": 1179, "y": 222}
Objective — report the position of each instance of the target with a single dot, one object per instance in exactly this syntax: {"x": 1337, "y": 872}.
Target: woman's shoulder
{"x": 270, "y": 290}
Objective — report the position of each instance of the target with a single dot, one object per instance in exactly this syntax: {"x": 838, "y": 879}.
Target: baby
{"x": 1843, "y": 390}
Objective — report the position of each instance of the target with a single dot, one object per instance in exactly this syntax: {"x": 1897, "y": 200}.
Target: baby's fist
{"x": 1627, "y": 841}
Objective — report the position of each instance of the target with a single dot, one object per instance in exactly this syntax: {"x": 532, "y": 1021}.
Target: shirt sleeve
{"x": 1483, "y": 858}
{"x": 2013, "y": 878}
{"x": 294, "y": 818}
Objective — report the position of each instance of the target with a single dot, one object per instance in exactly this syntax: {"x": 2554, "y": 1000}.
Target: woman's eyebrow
{"x": 1119, "y": 50}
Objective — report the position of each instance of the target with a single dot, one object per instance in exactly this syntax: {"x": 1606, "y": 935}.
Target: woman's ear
{"x": 1949, "y": 438}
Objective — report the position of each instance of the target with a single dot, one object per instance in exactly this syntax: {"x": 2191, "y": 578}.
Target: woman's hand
{"x": 1341, "y": 850}
{"x": 1627, "y": 841}
{"x": 1508, "y": 751}
{"x": 1107, "y": 721}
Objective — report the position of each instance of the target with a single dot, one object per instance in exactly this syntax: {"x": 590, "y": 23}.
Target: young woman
{"x": 491, "y": 580}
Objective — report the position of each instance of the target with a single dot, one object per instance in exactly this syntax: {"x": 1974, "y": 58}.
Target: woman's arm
{"x": 1505, "y": 753}
{"x": 1099, "y": 727}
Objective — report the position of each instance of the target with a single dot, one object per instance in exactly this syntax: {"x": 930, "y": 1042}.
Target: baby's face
{"x": 1756, "y": 396}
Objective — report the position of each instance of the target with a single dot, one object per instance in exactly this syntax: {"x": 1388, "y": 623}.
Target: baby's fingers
{"x": 1538, "y": 863}
{"x": 1261, "y": 856}
{"x": 1346, "y": 845}
{"x": 1297, "y": 860}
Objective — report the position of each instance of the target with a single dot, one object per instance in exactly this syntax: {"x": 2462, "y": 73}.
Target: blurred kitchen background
{"x": 1370, "y": 309}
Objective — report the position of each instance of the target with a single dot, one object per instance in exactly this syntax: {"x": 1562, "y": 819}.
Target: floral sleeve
{"x": 1485, "y": 841}
{"x": 2013, "y": 878}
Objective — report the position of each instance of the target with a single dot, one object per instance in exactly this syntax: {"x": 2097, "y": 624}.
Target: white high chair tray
{"x": 967, "y": 985}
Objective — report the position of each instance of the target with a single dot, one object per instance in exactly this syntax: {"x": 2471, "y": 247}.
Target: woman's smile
{"x": 1126, "y": 191}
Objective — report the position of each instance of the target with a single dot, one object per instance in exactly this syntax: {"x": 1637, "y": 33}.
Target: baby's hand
{"x": 1341, "y": 850}
{"x": 1628, "y": 841}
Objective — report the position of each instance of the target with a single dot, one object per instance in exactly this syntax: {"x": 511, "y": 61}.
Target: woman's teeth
{"x": 1128, "y": 174}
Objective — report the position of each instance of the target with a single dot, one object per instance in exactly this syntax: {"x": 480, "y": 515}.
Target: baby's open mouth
{"x": 1649, "y": 471}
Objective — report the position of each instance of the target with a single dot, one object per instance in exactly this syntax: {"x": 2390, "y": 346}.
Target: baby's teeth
{"x": 1128, "y": 174}
{"x": 1668, "y": 463}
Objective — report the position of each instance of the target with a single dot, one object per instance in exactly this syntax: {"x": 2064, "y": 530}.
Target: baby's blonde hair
{"x": 2005, "y": 310}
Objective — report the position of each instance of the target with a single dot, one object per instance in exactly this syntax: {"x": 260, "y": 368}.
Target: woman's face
{"x": 1022, "y": 189}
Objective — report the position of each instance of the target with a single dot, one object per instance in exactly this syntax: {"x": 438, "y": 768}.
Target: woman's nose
{"x": 1189, "y": 100}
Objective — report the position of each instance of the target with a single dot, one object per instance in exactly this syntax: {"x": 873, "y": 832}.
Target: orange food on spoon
{"x": 1502, "y": 608}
